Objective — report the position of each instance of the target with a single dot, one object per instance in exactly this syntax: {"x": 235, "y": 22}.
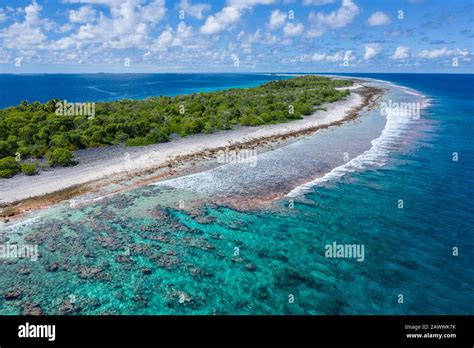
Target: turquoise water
{"x": 185, "y": 246}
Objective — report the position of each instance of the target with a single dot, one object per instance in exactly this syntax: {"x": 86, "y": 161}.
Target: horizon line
{"x": 234, "y": 72}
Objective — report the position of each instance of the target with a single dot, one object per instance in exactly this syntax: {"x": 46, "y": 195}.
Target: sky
{"x": 128, "y": 36}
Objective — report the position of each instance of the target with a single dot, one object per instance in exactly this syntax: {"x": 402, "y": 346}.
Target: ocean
{"x": 109, "y": 87}
{"x": 396, "y": 188}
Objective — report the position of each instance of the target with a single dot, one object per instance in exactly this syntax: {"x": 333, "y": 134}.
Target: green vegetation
{"x": 9, "y": 167}
{"x": 35, "y": 131}
{"x": 60, "y": 157}
{"x": 29, "y": 168}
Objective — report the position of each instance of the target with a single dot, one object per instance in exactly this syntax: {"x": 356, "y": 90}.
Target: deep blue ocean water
{"x": 137, "y": 253}
{"x": 109, "y": 87}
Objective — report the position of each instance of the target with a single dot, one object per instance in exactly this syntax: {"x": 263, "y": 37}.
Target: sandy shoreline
{"x": 100, "y": 167}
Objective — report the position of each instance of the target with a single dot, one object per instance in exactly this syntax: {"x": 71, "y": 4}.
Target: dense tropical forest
{"x": 36, "y": 131}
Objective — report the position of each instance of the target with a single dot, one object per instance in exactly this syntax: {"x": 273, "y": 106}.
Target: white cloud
{"x": 291, "y": 29}
{"x": 84, "y": 15}
{"x": 170, "y": 38}
{"x": 184, "y": 31}
{"x": 441, "y": 52}
{"x": 27, "y": 34}
{"x": 128, "y": 25}
{"x": 164, "y": 41}
{"x": 230, "y": 15}
{"x": 372, "y": 50}
{"x": 153, "y": 12}
{"x": 64, "y": 28}
{"x": 197, "y": 10}
{"x": 249, "y": 38}
{"x": 348, "y": 55}
{"x": 270, "y": 39}
{"x": 436, "y": 53}
{"x": 304, "y": 58}
{"x": 340, "y": 56}
{"x": 222, "y": 20}
{"x": 277, "y": 19}
{"x": 344, "y": 15}
{"x": 378, "y": 18}
{"x": 248, "y": 4}
{"x": 32, "y": 13}
{"x": 401, "y": 52}
{"x": 106, "y": 31}
{"x": 317, "y": 57}
{"x": 3, "y": 16}
{"x": 312, "y": 33}
{"x": 317, "y": 2}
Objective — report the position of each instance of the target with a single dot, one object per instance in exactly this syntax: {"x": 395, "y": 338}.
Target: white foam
{"x": 25, "y": 223}
{"x": 101, "y": 90}
{"x": 377, "y": 154}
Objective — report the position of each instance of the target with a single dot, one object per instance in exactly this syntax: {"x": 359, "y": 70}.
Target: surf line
{"x": 377, "y": 152}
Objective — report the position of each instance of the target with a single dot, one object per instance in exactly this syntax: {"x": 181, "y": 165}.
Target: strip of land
{"x": 99, "y": 167}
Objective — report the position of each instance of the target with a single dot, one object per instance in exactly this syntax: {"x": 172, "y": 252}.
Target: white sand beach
{"x": 114, "y": 163}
